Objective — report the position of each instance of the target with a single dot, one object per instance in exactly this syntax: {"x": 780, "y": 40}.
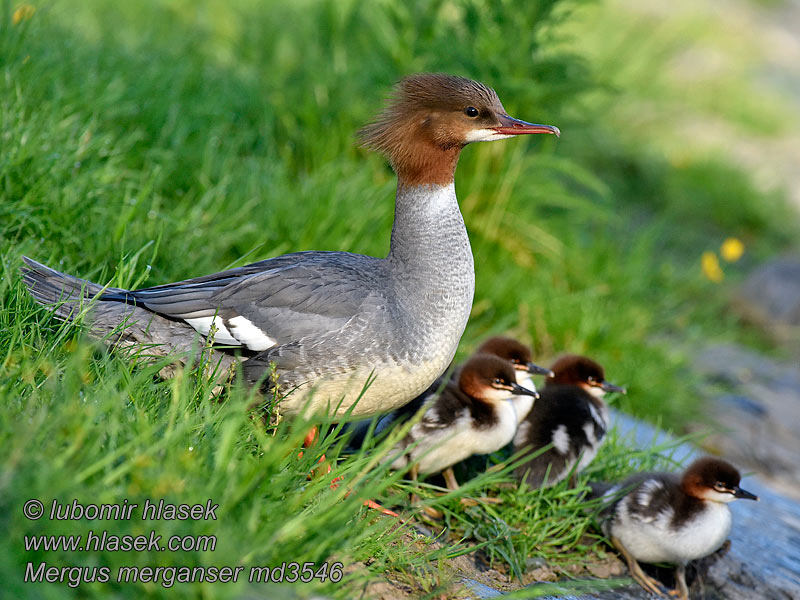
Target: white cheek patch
{"x": 493, "y": 394}
{"x": 561, "y": 439}
{"x": 249, "y": 335}
{"x": 595, "y": 391}
{"x": 715, "y": 496}
{"x": 203, "y": 326}
{"x": 484, "y": 135}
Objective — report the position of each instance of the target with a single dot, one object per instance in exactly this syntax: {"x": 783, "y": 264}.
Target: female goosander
{"x": 663, "y": 517}
{"x": 570, "y": 415}
{"x": 330, "y": 321}
{"x": 473, "y": 415}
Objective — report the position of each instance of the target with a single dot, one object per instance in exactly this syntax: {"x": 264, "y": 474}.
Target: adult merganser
{"x": 330, "y": 321}
{"x": 473, "y": 415}
{"x": 663, "y": 517}
{"x": 571, "y": 416}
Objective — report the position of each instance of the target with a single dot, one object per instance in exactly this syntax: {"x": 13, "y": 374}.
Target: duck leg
{"x": 643, "y": 579}
{"x": 452, "y": 485}
{"x": 309, "y": 440}
{"x": 682, "y": 591}
{"x": 450, "y": 479}
{"x": 429, "y": 511}
{"x": 413, "y": 473}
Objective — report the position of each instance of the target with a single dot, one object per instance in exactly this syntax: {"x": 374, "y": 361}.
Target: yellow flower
{"x": 711, "y": 268}
{"x": 23, "y": 13}
{"x": 732, "y": 249}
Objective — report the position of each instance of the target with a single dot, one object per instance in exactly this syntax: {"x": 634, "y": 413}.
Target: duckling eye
{"x": 590, "y": 379}
{"x": 497, "y": 381}
{"x": 720, "y": 487}
{"x": 471, "y": 112}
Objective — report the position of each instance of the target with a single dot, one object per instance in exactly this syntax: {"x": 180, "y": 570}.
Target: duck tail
{"x": 63, "y": 293}
{"x": 118, "y": 324}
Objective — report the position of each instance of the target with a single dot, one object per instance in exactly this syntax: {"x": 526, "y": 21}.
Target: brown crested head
{"x": 489, "y": 378}
{"x": 507, "y": 348}
{"x": 572, "y": 369}
{"x": 713, "y": 479}
{"x": 430, "y": 117}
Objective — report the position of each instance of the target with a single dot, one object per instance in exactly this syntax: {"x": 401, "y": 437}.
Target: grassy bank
{"x": 147, "y": 143}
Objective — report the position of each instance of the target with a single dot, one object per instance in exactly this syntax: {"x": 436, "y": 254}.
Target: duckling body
{"x": 474, "y": 415}
{"x": 665, "y": 517}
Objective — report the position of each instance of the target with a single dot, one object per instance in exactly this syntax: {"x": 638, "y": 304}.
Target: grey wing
{"x": 271, "y": 303}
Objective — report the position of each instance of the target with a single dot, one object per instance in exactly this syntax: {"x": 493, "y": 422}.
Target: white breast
{"x": 657, "y": 541}
{"x": 438, "y": 449}
{"x": 523, "y": 403}
{"x": 492, "y": 439}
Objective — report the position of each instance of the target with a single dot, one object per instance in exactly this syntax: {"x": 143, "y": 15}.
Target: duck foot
{"x": 381, "y": 509}
{"x": 368, "y": 503}
{"x": 309, "y": 440}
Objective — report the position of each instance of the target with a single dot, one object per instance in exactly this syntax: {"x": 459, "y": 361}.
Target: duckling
{"x": 665, "y": 517}
{"x": 473, "y": 415}
{"x": 571, "y": 416}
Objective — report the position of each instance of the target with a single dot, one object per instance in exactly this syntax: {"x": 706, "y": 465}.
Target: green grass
{"x": 154, "y": 141}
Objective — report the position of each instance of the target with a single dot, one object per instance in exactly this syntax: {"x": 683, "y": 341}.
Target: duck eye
{"x": 497, "y": 381}
{"x": 590, "y": 379}
{"x": 471, "y": 112}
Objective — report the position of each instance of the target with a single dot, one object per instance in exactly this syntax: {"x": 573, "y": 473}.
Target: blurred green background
{"x": 150, "y": 141}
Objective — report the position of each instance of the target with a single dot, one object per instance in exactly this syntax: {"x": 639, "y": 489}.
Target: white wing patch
{"x": 203, "y": 326}
{"x": 250, "y": 335}
{"x": 647, "y": 490}
{"x": 242, "y": 332}
{"x": 588, "y": 429}
{"x": 597, "y": 417}
{"x": 561, "y": 439}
